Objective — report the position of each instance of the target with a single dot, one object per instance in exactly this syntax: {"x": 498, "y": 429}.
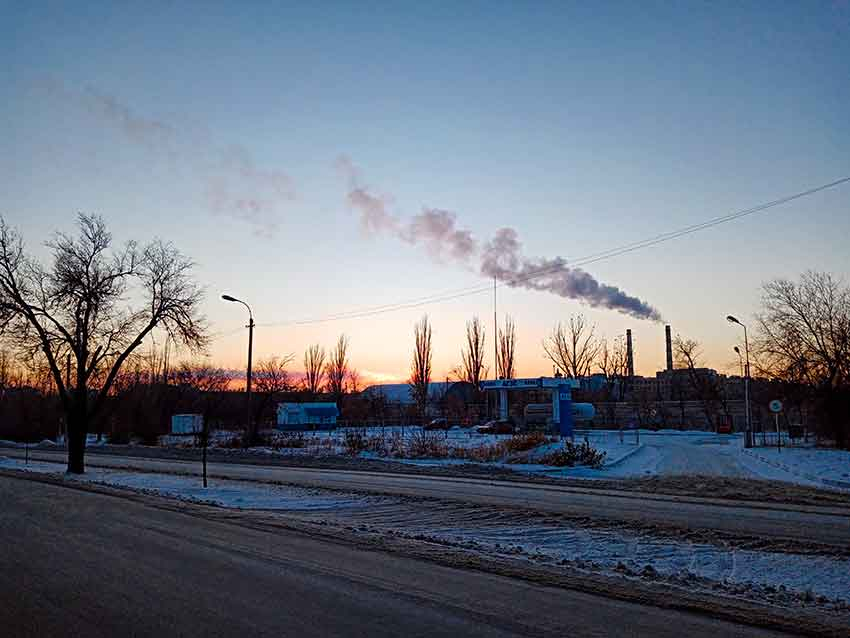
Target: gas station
{"x": 561, "y": 391}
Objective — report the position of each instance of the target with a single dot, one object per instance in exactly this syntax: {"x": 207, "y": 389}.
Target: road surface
{"x": 814, "y": 524}
{"x": 77, "y": 563}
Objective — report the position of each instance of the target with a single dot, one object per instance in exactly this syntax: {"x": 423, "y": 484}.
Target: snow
{"x": 231, "y": 494}
{"x": 629, "y": 453}
{"x": 806, "y": 466}
{"x": 606, "y": 549}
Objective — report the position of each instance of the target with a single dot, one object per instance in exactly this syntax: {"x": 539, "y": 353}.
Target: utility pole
{"x": 748, "y": 439}
{"x": 251, "y": 433}
{"x": 248, "y": 378}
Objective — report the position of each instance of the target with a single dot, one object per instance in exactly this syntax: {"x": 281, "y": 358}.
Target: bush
{"x": 572, "y": 454}
{"x": 525, "y": 442}
{"x": 290, "y": 440}
{"x": 427, "y": 445}
{"x": 353, "y": 442}
{"x": 229, "y": 442}
{"x": 480, "y": 453}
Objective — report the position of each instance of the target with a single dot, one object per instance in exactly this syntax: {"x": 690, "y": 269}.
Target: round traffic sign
{"x": 776, "y": 405}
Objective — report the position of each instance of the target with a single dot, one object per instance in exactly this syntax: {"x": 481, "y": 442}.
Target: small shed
{"x": 294, "y": 416}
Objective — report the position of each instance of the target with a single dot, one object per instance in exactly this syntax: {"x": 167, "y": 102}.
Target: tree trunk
{"x": 76, "y": 436}
{"x": 76, "y": 439}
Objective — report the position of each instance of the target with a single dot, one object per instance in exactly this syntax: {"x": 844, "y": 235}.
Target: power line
{"x": 576, "y": 263}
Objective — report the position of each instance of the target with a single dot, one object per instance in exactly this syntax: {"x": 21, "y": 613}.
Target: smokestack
{"x": 669, "y": 348}
{"x": 630, "y": 355}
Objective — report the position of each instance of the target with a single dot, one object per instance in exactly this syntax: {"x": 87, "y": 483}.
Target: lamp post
{"x": 748, "y": 442}
{"x": 248, "y": 378}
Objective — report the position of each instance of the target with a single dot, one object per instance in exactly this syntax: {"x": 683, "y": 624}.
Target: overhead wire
{"x": 563, "y": 265}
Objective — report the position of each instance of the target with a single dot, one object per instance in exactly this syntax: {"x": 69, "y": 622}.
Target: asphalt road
{"x": 77, "y": 563}
{"x": 825, "y": 525}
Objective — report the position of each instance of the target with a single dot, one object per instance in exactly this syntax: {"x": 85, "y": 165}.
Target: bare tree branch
{"x": 573, "y": 348}
{"x": 420, "y": 367}
{"x": 79, "y": 305}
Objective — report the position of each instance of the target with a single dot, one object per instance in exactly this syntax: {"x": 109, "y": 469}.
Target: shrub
{"x": 427, "y": 445}
{"x": 572, "y": 454}
{"x": 229, "y": 442}
{"x": 525, "y": 442}
{"x": 353, "y": 442}
{"x": 480, "y": 453}
{"x": 290, "y": 440}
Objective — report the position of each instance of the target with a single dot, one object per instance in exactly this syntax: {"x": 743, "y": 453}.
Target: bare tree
{"x": 337, "y": 368}
{"x": 353, "y": 381}
{"x": 507, "y": 349}
{"x": 472, "y": 368}
{"x": 314, "y": 368}
{"x": 80, "y": 306}
{"x": 573, "y": 348}
{"x": 270, "y": 378}
{"x": 5, "y": 370}
{"x": 613, "y": 359}
{"x": 803, "y": 336}
{"x": 705, "y": 383}
{"x": 420, "y": 367}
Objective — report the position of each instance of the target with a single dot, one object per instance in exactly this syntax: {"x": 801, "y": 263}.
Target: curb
{"x": 624, "y": 457}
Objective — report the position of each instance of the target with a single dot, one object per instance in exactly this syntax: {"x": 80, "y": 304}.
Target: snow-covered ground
{"x": 628, "y": 454}
{"x": 811, "y": 466}
{"x": 231, "y": 494}
{"x": 754, "y": 574}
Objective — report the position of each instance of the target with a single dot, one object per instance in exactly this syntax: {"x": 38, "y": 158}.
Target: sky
{"x": 318, "y": 160}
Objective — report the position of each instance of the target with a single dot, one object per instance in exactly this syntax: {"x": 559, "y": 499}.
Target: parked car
{"x": 437, "y": 424}
{"x": 497, "y": 426}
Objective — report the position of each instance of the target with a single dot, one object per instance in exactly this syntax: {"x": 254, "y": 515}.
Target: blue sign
{"x": 565, "y": 408}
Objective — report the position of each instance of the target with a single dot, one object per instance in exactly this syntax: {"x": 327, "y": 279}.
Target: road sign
{"x": 776, "y": 406}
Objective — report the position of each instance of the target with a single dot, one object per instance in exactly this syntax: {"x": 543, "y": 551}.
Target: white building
{"x": 187, "y": 423}
{"x": 293, "y": 415}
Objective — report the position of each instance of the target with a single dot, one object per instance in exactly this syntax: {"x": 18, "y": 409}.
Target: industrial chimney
{"x": 669, "y": 348}
{"x": 630, "y": 355}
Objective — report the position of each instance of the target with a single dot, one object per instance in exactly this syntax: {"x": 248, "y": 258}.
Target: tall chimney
{"x": 630, "y": 355}
{"x": 669, "y": 348}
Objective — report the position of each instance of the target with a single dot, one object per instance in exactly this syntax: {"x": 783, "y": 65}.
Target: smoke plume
{"x": 501, "y": 257}
{"x": 433, "y": 228}
{"x": 232, "y": 182}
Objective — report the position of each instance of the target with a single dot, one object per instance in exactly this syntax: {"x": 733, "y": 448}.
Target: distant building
{"x": 400, "y": 393}
{"x": 295, "y": 416}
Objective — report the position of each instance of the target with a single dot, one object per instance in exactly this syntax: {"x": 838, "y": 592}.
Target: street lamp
{"x": 749, "y": 438}
{"x": 250, "y": 347}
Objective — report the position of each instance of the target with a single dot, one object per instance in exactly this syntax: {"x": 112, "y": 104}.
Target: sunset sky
{"x": 257, "y": 137}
